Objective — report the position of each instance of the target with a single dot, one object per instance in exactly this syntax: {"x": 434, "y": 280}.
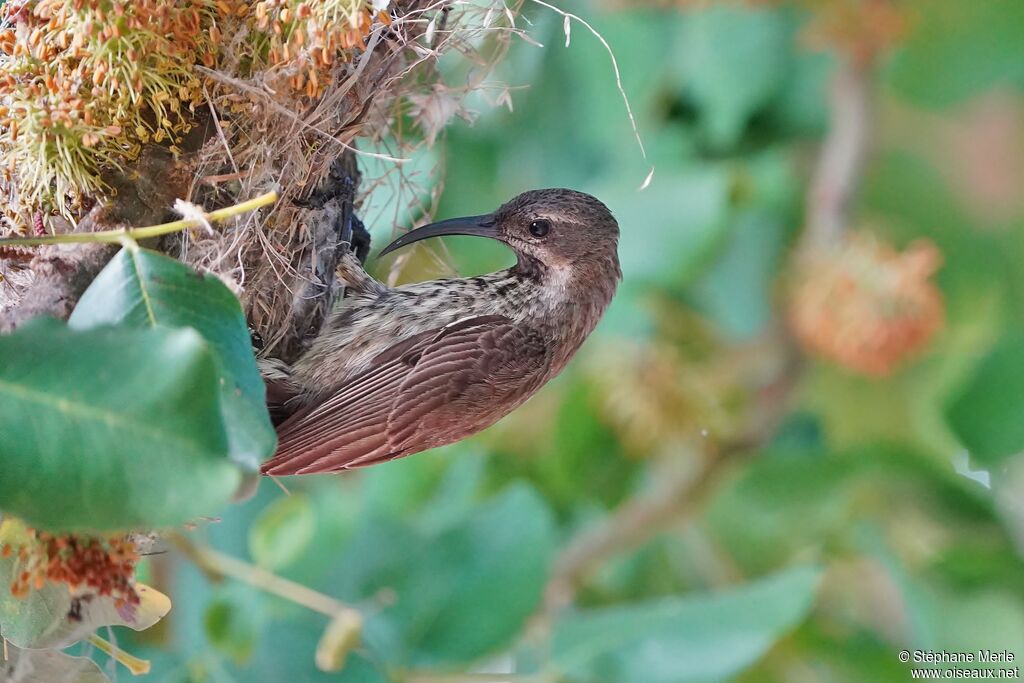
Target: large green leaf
{"x": 460, "y": 593}
{"x": 234, "y": 620}
{"x": 684, "y": 640}
{"x": 481, "y": 580}
{"x": 110, "y": 428}
{"x": 735, "y": 292}
{"x": 988, "y": 413}
{"x": 142, "y": 288}
{"x": 682, "y": 216}
{"x": 734, "y": 59}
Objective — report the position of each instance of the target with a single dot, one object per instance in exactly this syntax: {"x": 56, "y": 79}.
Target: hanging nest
{"x": 112, "y": 109}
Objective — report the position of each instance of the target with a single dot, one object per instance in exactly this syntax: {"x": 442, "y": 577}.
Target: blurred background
{"x": 791, "y": 449}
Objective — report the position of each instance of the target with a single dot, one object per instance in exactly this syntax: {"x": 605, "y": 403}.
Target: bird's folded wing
{"x": 453, "y": 375}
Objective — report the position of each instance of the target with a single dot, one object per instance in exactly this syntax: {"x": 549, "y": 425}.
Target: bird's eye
{"x": 540, "y": 227}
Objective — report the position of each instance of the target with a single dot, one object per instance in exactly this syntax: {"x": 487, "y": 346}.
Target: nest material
{"x": 282, "y": 106}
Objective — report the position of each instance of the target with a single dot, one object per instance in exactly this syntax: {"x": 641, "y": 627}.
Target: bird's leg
{"x": 335, "y": 230}
{"x": 355, "y": 244}
{"x": 335, "y": 197}
{"x": 357, "y": 236}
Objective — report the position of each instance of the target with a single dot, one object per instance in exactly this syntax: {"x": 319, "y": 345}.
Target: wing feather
{"x": 441, "y": 376}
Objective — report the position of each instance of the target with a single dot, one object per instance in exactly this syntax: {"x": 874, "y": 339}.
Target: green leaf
{"x": 287, "y": 654}
{"x": 681, "y": 640}
{"x": 735, "y": 61}
{"x": 481, "y": 580}
{"x": 780, "y": 505}
{"x": 142, "y": 288}
{"x": 459, "y": 593}
{"x": 800, "y": 106}
{"x": 283, "y": 532}
{"x": 985, "y": 619}
{"x": 234, "y": 620}
{"x": 786, "y": 504}
{"x": 682, "y": 217}
{"x": 457, "y": 493}
{"x": 735, "y": 292}
{"x": 110, "y": 428}
{"x": 988, "y": 413}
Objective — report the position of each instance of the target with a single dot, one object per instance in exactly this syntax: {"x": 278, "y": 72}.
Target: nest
{"x": 275, "y": 95}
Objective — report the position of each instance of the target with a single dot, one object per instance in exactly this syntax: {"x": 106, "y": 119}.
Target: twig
{"x": 121, "y": 234}
{"x": 242, "y": 85}
{"x": 632, "y": 524}
{"x": 679, "y": 490}
{"x": 843, "y": 153}
{"x": 220, "y": 130}
{"x": 219, "y": 564}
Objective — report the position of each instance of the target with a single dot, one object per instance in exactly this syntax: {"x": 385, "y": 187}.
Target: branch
{"x": 220, "y": 565}
{"x": 683, "y": 482}
{"x": 840, "y": 164}
{"x": 343, "y": 631}
{"x": 632, "y": 524}
{"x": 61, "y": 274}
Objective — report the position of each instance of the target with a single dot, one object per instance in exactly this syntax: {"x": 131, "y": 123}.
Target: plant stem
{"x": 681, "y": 485}
{"x": 135, "y": 665}
{"x": 843, "y": 154}
{"x": 219, "y": 564}
{"x": 119, "y": 235}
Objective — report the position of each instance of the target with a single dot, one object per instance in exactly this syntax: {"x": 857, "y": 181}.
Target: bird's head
{"x": 554, "y": 230}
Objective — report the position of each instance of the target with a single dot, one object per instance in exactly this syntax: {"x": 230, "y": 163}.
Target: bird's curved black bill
{"x": 481, "y": 226}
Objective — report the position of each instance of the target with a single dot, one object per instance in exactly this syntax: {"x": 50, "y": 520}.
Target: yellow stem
{"x": 343, "y": 632}
{"x": 218, "y": 215}
{"x": 122, "y": 234}
{"x": 219, "y": 564}
{"x": 136, "y": 666}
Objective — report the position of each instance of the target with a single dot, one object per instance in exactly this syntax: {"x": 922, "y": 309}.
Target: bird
{"x": 399, "y": 370}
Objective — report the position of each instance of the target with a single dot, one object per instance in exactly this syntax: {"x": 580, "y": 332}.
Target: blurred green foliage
{"x": 139, "y": 412}
{"x": 882, "y": 514}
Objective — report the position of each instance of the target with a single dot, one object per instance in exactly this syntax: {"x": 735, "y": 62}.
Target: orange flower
{"x": 95, "y": 565}
{"x": 867, "y": 306}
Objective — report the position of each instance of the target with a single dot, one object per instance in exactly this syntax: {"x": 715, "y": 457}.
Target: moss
{"x": 85, "y": 83}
